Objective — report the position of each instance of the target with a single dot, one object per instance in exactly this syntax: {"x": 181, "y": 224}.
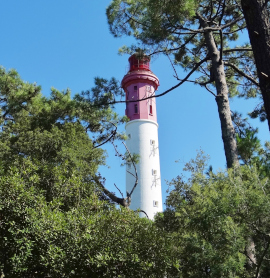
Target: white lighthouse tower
{"x": 142, "y": 132}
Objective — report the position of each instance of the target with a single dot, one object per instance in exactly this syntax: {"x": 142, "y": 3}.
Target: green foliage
{"x": 211, "y": 219}
{"x": 130, "y": 159}
{"x": 53, "y": 220}
{"x": 248, "y": 145}
{"x": 92, "y": 239}
{"x": 151, "y": 17}
{"x": 171, "y": 27}
{"x": 259, "y": 112}
{"x": 251, "y": 152}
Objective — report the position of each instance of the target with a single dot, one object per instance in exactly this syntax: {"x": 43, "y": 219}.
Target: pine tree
{"x": 196, "y": 35}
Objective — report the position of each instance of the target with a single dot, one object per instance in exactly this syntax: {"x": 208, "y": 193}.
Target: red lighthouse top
{"x": 139, "y": 63}
{"x": 140, "y": 85}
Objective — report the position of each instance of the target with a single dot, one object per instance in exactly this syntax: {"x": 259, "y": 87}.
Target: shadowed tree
{"x": 257, "y": 14}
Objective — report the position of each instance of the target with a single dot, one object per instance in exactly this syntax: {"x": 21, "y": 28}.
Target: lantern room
{"x": 137, "y": 62}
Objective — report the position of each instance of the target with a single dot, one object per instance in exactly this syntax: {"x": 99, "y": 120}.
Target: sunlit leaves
{"x": 211, "y": 218}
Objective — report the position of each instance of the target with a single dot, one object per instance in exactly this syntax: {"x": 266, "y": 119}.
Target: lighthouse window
{"x": 155, "y": 203}
{"x": 136, "y": 108}
{"x": 135, "y": 88}
{"x": 150, "y": 106}
{"x": 151, "y": 109}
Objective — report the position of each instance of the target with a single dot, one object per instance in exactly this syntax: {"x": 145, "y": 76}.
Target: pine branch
{"x": 237, "y": 49}
{"x": 242, "y": 73}
{"x": 109, "y": 138}
{"x": 213, "y": 28}
{"x": 177, "y": 48}
{"x": 210, "y": 91}
{"x": 235, "y": 31}
{"x": 197, "y": 65}
{"x": 120, "y": 201}
{"x": 223, "y": 11}
{"x": 119, "y": 190}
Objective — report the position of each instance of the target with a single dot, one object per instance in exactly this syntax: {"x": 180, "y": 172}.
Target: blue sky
{"x": 65, "y": 44}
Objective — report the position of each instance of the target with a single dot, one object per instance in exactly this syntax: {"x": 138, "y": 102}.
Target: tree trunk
{"x": 257, "y": 19}
{"x": 224, "y": 111}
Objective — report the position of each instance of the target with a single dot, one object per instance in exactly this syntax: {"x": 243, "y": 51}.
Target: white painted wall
{"x": 148, "y": 190}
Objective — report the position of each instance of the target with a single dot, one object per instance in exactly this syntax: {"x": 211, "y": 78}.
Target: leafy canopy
{"x": 212, "y": 217}
{"x": 55, "y": 220}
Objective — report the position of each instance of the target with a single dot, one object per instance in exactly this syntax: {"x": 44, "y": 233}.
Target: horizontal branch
{"x": 197, "y": 65}
{"x": 235, "y": 31}
{"x": 177, "y": 48}
{"x": 203, "y": 30}
{"x": 237, "y": 49}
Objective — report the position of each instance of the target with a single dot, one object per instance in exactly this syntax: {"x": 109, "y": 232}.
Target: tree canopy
{"x": 195, "y": 35}
{"x": 219, "y": 221}
{"x": 56, "y": 219}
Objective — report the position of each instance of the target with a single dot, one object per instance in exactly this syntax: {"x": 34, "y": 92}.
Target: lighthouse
{"x": 142, "y": 136}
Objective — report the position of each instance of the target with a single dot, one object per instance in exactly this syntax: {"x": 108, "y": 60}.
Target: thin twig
{"x": 135, "y": 169}
{"x": 143, "y": 212}
{"x": 172, "y": 66}
{"x": 119, "y": 190}
{"x": 109, "y": 138}
{"x": 210, "y": 91}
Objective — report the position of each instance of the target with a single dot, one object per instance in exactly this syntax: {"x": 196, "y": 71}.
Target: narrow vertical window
{"x": 136, "y": 108}
{"x": 135, "y": 92}
{"x": 151, "y": 109}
